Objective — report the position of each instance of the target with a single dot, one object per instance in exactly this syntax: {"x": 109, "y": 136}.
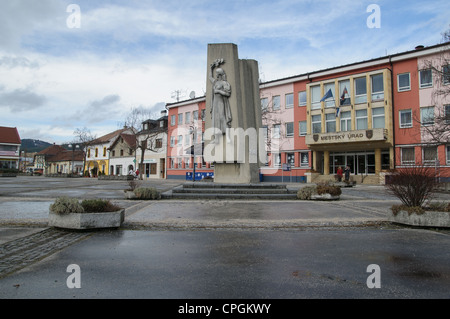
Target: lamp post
{"x": 192, "y": 130}
{"x": 73, "y": 147}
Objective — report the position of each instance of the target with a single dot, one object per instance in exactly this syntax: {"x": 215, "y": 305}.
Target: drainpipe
{"x": 393, "y": 110}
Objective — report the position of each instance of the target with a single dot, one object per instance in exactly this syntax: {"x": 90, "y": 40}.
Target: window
{"x": 407, "y": 154}
{"x": 304, "y": 159}
{"x": 276, "y": 102}
{"x": 302, "y": 128}
{"x": 187, "y": 117}
{"x": 121, "y": 152}
{"x": 172, "y": 163}
{"x": 315, "y": 97}
{"x": 329, "y": 102}
{"x": 448, "y": 154}
{"x": 302, "y": 98}
{"x": 289, "y": 100}
{"x": 276, "y": 131}
{"x": 290, "y": 159}
{"x": 172, "y": 120}
{"x": 180, "y": 139}
{"x": 446, "y": 74}
{"x": 264, "y": 103}
{"x": 403, "y": 82}
{"x": 180, "y": 119}
{"x": 89, "y": 153}
{"x": 96, "y": 152}
{"x": 377, "y": 87}
{"x": 447, "y": 114}
{"x": 180, "y": 162}
{"x": 360, "y": 90}
{"x": 378, "y": 117}
{"x": 344, "y": 92}
{"x": 346, "y": 121}
{"x": 172, "y": 141}
{"x": 429, "y": 154}
{"x": 187, "y": 162}
{"x": 113, "y": 153}
{"x": 203, "y": 114}
{"x": 316, "y": 124}
{"x": 104, "y": 151}
{"x": 427, "y": 115}
{"x": 161, "y": 123}
{"x": 405, "y": 118}
{"x": 425, "y": 79}
{"x": 195, "y": 115}
{"x": 277, "y": 159}
{"x": 361, "y": 119}
{"x": 330, "y": 122}
{"x": 158, "y": 143}
{"x": 187, "y": 140}
{"x": 290, "y": 129}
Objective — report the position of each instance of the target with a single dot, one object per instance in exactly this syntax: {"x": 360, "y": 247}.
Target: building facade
{"x": 372, "y": 116}
{"x": 9, "y": 148}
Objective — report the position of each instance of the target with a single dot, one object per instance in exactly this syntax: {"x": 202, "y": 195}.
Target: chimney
{"x": 163, "y": 112}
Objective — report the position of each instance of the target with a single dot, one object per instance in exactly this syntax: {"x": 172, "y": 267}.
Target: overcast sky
{"x": 56, "y": 75}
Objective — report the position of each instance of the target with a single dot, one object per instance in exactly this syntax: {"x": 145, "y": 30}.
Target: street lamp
{"x": 192, "y": 130}
{"x": 73, "y": 147}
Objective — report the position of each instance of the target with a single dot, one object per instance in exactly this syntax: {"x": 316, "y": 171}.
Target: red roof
{"x": 52, "y": 150}
{"x": 9, "y": 135}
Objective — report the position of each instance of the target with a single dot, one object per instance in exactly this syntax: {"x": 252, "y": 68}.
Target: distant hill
{"x": 31, "y": 145}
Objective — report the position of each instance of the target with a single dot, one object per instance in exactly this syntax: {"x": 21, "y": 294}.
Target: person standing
{"x": 347, "y": 173}
{"x": 339, "y": 173}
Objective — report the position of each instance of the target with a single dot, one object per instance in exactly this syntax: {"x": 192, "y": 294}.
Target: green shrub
{"x": 65, "y": 205}
{"x": 147, "y": 193}
{"x": 98, "y": 206}
{"x": 306, "y": 192}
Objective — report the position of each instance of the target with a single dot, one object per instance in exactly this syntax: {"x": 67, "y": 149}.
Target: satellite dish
{"x": 192, "y": 95}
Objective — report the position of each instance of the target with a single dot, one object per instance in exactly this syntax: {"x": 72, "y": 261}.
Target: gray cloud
{"x": 14, "y": 62}
{"x": 21, "y": 100}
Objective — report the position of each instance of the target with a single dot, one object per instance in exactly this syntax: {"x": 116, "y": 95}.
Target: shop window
{"x": 360, "y": 90}
{"x": 405, "y": 118}
{"x": 304, "y": 159}
{"x": 403, "y": 82}
{"x": 290, "y": 159}
{"x": 377, "y": 87}
{"x": 302, "y": 98}
{"x": 378, "y": 117}
{"x": 425, "y": 78}
{"x": 361, "y": 119}
{"x": 408, "y": 156}
{"x": 429, "y": 154}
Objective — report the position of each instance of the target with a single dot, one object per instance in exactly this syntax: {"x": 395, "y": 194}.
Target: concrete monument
{"x": 232, "y": 131}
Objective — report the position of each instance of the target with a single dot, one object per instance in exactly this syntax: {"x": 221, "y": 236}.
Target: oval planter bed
{"x": 70, "y": 214}
{"x": 425, "y": 219}
{"x": 325, "y": 196}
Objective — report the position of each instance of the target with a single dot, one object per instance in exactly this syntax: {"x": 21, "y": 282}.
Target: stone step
{"x": 235, "y": 186}
{"x": 212, "y": 196}
{"x": 179, "y": 190}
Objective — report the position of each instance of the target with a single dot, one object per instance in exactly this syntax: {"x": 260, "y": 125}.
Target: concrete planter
{"x": 325, "y": 197}
{"x": 87, "y": 220}
{"x": 427, "y": 219}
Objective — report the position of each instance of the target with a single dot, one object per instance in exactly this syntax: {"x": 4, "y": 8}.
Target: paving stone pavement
{"x": 21, "y": 252}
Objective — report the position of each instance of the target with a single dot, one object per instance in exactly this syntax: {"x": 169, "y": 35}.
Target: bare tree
{"x": 146, "y": 132}
{"x": 83, "y": 137}
{"x": 439, "y": 132}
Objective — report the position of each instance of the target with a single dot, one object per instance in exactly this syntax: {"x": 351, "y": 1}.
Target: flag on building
{"x": 327, "y": 95}
{"x": 343, "y": 99}
{"x": 337, "y": 112}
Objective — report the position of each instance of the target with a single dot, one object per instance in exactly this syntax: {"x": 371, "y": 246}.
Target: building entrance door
{"x": 361, "y": 166}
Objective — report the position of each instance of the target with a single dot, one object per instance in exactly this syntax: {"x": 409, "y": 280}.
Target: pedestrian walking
{"x": 347, "y": 173}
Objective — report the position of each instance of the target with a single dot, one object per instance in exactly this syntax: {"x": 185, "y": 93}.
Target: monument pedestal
{"x": 233, "y": 107}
